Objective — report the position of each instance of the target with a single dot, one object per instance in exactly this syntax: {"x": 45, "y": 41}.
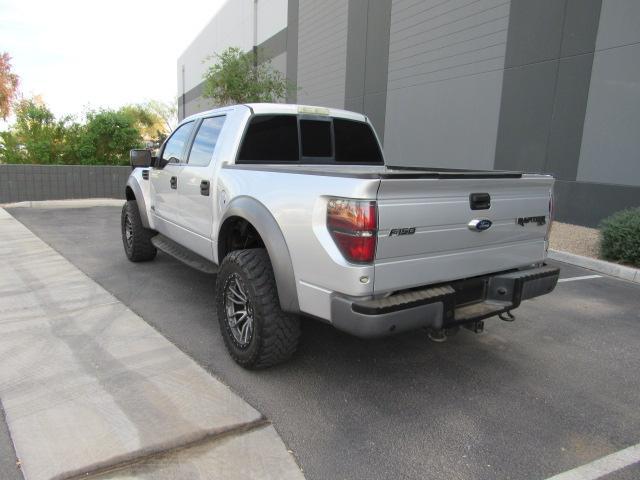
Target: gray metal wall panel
{"x": 368, "y": 59}
{"x": 197, "y": 105}
{"x": 565, "y": 135}
{"x": 611, "y": 141}
{"x": 619, "y": 23}
{"x": 292, "y": 49}
{"x": 580, "y": 27}
{"x": 587, "y": 204}
{"x": 273, "y": 47}
{"x": 445, "y": 81}
{"x": 535, "y": 31}
{"x": 356, "y": 54}
{"x": 525, "y": 116}
{"x": 322, "y": 52}
{"x": 447, "y": 124}
{"x": 377, "y": 63}
{"x": 54, "y": 182}
{"x": 279, "y": 62}
{"x": 546, "y": 85}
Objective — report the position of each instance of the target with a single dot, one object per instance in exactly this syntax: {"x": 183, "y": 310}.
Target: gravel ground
{"x": 575, "y": 239}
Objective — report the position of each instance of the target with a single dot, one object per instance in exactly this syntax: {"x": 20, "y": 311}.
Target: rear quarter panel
{"x": 298, "y": 204}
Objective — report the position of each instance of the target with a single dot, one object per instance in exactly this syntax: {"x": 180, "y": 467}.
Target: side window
{"x": 271, "y": 138}
{"x": 175, "y": 145}
{"x": 205, "y": 142}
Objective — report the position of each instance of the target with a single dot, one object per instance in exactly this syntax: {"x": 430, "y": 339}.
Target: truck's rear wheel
{"x": 256, "y": 332}
{"x": 135, "y": 238}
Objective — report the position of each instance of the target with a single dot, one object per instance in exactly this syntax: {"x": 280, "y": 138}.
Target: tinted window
{"x": 316, "y": 138}
{"x": 355, "y": 142}
{"x": 175, "y": 145}
{"x": 205, "y": 142}
{"x": 271, "y": 138}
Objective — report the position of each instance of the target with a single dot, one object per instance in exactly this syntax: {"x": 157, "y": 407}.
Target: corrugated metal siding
{"x": 437, "y": 40}
{"x": 322, "y": 52}
{"x": 446, "y": 60}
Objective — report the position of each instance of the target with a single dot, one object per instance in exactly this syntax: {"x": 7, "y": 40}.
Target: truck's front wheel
{"x": 256, "y": 332}
{"x": 135, "y": 238}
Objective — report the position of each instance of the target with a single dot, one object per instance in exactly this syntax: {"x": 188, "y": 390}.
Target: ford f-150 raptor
{"x": 295, "y": 210}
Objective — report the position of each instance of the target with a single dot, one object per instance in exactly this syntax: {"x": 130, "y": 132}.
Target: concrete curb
{"x": 600, "y": 266}
{"x": 71, "y": 203}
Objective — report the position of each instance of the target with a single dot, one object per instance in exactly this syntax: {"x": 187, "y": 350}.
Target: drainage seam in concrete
{"x": 135, "y": 458}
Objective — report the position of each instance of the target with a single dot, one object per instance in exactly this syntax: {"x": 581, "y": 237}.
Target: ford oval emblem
{"x": 480, "y": 225}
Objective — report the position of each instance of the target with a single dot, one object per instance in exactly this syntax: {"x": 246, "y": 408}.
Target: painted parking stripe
{"x": 573, "y": 279}
{"x": 603, "y": 466}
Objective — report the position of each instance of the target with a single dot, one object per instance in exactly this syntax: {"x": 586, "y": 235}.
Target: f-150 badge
{"x": 480, "y": 224}
{"x": 402, "y": 231}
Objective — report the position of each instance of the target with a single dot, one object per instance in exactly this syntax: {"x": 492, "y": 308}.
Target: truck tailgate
{"x": 424, "y": 235}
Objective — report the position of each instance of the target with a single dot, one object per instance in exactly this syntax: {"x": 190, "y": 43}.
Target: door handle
{"x": 174, "y": 182}
{"x": 204, "y": 188}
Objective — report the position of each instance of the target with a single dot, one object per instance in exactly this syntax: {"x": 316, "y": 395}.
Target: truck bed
{"x": 424, "y": 220}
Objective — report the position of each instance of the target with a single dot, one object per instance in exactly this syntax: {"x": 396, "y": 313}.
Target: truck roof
{"x": 284, "y": 109}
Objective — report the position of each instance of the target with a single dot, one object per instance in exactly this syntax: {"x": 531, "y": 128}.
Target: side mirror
{"x": 139, "y": 157}
{"x": 160, "y": 162}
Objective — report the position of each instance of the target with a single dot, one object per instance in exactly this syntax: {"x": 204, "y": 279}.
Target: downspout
{"x": 255, "y": 35}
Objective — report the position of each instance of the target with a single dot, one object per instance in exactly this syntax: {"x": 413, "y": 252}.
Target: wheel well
{"x": 236, "y": 234}
{"x": 129, "y": 195}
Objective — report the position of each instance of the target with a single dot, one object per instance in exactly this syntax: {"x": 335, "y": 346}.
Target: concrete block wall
{"x": 20, "y": 183}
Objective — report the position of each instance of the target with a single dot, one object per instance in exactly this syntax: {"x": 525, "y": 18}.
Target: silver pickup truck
{"x": 296, "y": 212}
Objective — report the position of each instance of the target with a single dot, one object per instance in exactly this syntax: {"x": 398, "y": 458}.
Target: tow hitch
{"x": 507, "y": 316}
{"x": 475, "y": 327}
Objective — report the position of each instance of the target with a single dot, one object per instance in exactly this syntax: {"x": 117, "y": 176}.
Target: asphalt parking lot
{"x": 558, "y": 388}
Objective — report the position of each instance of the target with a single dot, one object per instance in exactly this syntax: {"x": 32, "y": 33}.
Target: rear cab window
{"x": 306, "y": 139}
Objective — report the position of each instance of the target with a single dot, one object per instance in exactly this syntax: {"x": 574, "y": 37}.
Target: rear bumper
{"x": 442, "y": 306}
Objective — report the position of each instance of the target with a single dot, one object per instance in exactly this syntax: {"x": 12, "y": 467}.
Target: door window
{"x": 205, "y": 142}
{"x": 174, "y": 147}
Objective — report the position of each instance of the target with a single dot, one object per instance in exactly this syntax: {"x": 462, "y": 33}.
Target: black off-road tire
{"x": 138, "y": 247}
{"x": 275, "y": 333}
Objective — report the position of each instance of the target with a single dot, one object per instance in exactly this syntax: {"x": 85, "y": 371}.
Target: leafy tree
{"x": 36, "y": 136}
{"x": 167, "y": 111}
{"x": 107, "y": 137}
{"x": 8, "y": 85}
{"x": 235, "y": 78}
{"x": 147, "y": 122}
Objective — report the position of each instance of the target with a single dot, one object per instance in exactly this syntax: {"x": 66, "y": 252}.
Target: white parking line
{"x": 585, "y": 277}
{"x": 603, "y": 466}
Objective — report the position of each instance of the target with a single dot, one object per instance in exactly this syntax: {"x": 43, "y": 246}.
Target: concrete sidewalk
{"x": 88, "y": 387}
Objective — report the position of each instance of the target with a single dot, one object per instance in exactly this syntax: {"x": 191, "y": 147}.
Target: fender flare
{"x": 133, "y": 184}
{"x": 267, "y": 227}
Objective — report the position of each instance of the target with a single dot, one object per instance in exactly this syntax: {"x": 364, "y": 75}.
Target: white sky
{"x": 107, "y": 53}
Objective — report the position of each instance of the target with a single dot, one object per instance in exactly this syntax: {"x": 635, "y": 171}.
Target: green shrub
{"x": 621, "y": 237}
{"x": 103, "y": 137}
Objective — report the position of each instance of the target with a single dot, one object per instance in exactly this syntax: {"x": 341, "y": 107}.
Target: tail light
{"x": 547, "y": 236}
{"x": 353, "y": 225}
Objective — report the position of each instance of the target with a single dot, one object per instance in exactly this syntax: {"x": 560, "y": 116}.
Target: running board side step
{"x": 183, "y": 254}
